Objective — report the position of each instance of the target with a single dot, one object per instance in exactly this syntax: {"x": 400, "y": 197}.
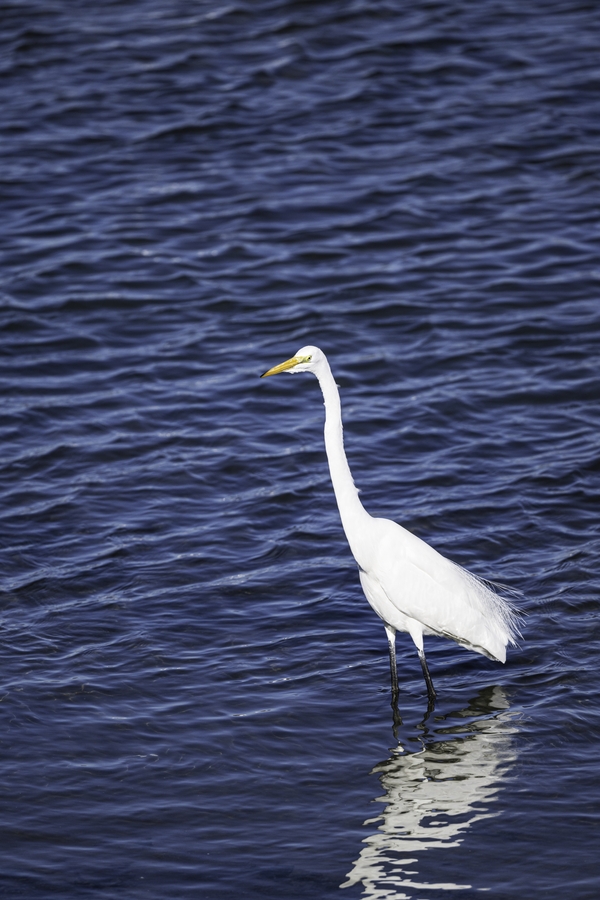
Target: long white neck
{"x": 352, "y": 512}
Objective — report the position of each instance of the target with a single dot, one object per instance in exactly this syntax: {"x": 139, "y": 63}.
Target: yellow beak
{"x": 284, "y": 366}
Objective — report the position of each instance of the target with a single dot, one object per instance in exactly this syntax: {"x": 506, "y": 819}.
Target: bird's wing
{"x": 423, "y": 585}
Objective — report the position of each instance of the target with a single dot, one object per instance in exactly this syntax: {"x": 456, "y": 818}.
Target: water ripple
{"x": 194, "y": 691}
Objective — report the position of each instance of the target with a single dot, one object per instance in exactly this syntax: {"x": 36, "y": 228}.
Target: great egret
{"x": 410, "y": 585}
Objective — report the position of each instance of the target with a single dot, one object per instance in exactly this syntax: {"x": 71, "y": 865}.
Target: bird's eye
{"x": 307, "y": 358}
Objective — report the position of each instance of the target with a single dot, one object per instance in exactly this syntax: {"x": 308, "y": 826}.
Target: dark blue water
{"x": 194, "y": 696}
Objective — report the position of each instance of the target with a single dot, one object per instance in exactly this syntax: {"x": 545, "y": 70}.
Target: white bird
{"x": 410, "y": 585}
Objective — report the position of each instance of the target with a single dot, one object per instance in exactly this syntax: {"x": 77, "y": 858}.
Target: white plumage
{"x": 410, "y": 585}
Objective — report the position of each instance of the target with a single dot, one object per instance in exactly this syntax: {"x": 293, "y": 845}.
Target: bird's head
{"x": 307, "y": 359}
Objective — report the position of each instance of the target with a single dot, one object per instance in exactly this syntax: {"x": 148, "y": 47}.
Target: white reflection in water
{"x": 434, "y": 795}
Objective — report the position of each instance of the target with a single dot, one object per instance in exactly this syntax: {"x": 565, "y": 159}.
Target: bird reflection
{"x": 434, "y": 795}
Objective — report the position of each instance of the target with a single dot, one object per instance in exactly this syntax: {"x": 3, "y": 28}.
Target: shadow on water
{"x": 434, "y": 795}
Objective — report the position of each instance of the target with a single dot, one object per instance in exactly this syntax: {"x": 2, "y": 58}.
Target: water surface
{"x": 194, "y": 696}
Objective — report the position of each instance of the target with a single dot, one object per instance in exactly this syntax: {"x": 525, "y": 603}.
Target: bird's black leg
{"x": 397, "y": 718}
{"x": 391, "y": 636}
{"x": 430, "y": 689}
